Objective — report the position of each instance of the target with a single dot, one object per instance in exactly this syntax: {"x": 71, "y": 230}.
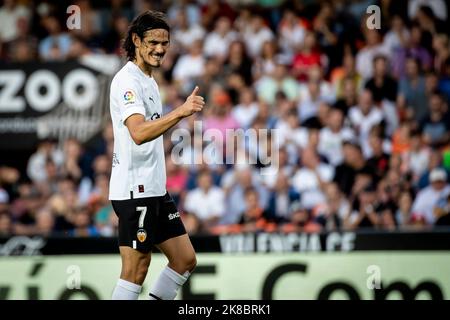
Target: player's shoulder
{"x": 125, "y": 76}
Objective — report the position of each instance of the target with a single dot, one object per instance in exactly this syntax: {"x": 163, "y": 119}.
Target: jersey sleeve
{"x": 129, "y": 98}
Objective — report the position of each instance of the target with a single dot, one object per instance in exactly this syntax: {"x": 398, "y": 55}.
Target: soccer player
{"x": 147, "y": 214}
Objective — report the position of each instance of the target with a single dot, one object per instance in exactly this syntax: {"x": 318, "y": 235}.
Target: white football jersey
{"x": 138, "y": 171}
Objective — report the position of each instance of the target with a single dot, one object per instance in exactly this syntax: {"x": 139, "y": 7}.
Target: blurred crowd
{"x": 362, "y": 116}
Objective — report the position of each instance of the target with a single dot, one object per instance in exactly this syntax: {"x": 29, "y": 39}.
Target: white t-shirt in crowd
{"x": 364, "y": 122}
{"x": 305, "y": 181}
{"x": 187, "y": 37}
{"x": 245, "y": 114}
{"x": 255, "y": 40}
{"x": 216, "y": 45}
{"x": 364, "y": 59}
{"x": 206, "y": 205}
{"x": 330, "y": 143}
{"x": 9, "y": 29}
{"x": 438, "y": 7}
{"x": 188, "y": 67}
{"x": 425, "y": 202}
{"x": 137, "y": 168}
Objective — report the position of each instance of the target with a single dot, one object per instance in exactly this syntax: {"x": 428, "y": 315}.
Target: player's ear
{"x": 136, "y": 40}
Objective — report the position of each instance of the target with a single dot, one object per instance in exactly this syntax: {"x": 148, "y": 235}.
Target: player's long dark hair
{"x": 142, "y": 23}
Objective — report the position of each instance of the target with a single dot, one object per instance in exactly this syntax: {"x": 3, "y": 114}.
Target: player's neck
{"x": 143, "y": 66}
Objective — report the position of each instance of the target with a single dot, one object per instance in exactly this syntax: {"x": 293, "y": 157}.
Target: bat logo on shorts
{"x": 141, "y": 235}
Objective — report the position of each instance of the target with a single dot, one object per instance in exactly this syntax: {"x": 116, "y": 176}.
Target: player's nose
{"x": 159, "y": 48}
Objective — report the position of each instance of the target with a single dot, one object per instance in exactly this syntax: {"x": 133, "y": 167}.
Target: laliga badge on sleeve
{"x": 129, "y": 97}
{"x": 141, "y": 235}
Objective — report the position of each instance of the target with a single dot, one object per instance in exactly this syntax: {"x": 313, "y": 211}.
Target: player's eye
{"x": 154, "y": 43}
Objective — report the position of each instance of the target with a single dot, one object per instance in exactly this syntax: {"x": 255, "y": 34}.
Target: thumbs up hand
{"x": 193, "y": 103}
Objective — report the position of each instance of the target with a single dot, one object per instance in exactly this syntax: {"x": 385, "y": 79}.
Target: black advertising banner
{"x": 243, "y": 243}
{"x": 50, "y": 100}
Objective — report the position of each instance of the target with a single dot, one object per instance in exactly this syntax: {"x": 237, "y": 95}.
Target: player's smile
{"x": 157, "y": 56}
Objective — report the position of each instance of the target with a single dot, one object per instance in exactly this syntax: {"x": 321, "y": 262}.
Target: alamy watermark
{"x": 74, "y": 20}
{"x": 213, "y": 147}
{"x": 74, "y": 279}
{"x": 374, "y": 280}
{"x": 374, "y": 19}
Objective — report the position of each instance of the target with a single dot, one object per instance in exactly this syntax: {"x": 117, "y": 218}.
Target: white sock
{"x": 167, "y": 285}
{"x": 126, "y": 290}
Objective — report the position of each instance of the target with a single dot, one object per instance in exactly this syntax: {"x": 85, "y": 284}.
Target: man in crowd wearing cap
{"x": 429, "y": 197}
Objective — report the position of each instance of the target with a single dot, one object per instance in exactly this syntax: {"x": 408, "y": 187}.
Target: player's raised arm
{"x": 142, "y": 131}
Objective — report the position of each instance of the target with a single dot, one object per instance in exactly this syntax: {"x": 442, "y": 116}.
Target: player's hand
{"x": 194, "y": 103}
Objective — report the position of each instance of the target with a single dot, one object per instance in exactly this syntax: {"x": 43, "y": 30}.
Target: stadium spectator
{"x": 6, "y": 229}
{"x": 365, "y": 57}
{"x": 412, "y": 88}
{"x": 190, "y": 65}
{"x": 221, "y": 118}
{"x": 310, "y": 100}
{"x": 56, "y": 46}
{"x": 46, "y": 149}
{"x": 112, "y": 41}
{"x": 353, "y": 164}
{"x": 235, "y": 182}
{"x": 363, "y": 214}
{"x": 415, "y": 49}
{"x": 218, "y": 41}
{"x": 255, "y": 218}
{"x": 436, "y": 125}
{"x": 300, "y": 220}
{"x": 418, "y": 156}
{"x": 346, "y": 80}
{"x": 45, "y": 221}
{"x": 438, "y": 7}
{"x": 381, "y": 84}
{"x": 282, "y": 197}
{"x": 403, "y": 215}
{"x": 397, "y": 37}
{"x": 206, "y": 203}
{"x": 364, "y": 116}
{"x": 269, "y": 85}
{"x": 255, "y": 35}
{"x": 379, "y": 160}
{"x": 186, "y": 33}
{"x": 428, "y": 20}
{"x": 428, "y": 198}
{"x": 83, "y": 225}
{"x": 332, "y": 136}
{"x": 307, "y": 57}
{"x": 311, "y": 178}
{"x": 247, "y": 109}
{"x": 331, "y": 214}
{"x": 292, "y": 32}
{"x": 212, "y": 10}
{"x": 441, "y": 47}
{"x": 238, "y": 62}
{"x": 11, "y": 14}
{"x": 192, "y": 11}
{"x": 442, "y": 213}
{"x": 349, "y": 96}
